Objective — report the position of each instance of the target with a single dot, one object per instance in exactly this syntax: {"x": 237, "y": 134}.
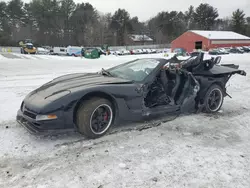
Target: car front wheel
{"x": 94, "y": 117}
{"x": 213, "y": 99}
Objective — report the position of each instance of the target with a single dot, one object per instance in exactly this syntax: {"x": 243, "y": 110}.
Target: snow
{"x": 197, "y": 150}
{"x": 137, "y": 38}
{"x": 2, "y": 57}
{"x": 221, "y": 35}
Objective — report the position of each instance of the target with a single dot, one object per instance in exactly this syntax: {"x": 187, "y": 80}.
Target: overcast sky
{"x": 146, "y": 9}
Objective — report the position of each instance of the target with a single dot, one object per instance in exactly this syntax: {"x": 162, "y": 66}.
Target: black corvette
{"x": 92, "y": 102}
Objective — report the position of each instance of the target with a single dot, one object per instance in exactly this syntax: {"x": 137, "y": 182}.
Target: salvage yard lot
{"x": 197, "y": 150}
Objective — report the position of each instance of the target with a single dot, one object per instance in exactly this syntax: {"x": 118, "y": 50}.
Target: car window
{"x": 137, "y": 70}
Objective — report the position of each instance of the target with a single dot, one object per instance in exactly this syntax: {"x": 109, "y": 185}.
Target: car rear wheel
{"x": 213, "y": 99}
{"x": 95, "y": 117}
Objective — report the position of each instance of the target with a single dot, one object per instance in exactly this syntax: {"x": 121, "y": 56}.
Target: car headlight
{"x": 46, "y": 117}
{"x": 58, "y": 95}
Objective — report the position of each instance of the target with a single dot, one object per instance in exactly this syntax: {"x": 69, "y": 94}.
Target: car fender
{"x": 206, "y": 83}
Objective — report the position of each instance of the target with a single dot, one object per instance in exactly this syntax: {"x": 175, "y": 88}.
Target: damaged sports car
{"x": 92, "y": 102}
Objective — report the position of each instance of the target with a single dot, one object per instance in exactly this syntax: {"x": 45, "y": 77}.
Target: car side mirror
{"x": 217, "y": 60}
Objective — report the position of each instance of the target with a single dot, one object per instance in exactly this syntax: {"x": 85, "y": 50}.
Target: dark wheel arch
{"x": 202, "y": 93}
{"x": 199, "y": 100}
{"x": 95, "y": 94}
{"x": 95, "y": 117}
{"x": 218, "y": 89}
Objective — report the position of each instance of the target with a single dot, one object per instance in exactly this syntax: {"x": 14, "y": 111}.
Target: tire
{"x": 85, "y": 117}
{"x": 219, "y": 96}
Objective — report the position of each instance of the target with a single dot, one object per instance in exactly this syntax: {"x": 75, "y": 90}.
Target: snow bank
{"x": 197, "y": 150}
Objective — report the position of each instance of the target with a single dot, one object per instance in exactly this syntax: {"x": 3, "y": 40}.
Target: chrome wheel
{"x": 215, "y": 100}
{"x": 101, "y": 119}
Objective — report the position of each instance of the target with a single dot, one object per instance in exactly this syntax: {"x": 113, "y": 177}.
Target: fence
{"x": 153, "y": 46}
{"x": 9, "y": 49}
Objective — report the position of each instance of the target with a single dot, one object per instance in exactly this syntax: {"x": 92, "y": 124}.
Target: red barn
{"x": 205, "y": 40}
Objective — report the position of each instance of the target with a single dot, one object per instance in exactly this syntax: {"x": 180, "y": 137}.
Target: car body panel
{"x": 63, "y": 95}
{"x": 219, "y": 70}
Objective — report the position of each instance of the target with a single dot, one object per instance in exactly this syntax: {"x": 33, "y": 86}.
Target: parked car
{"x": 124, "y": 52}
{"x": 223, "y": 51}
{"x": 236, "y": 50}
{"x": 159, "y": 51}
{"x": 218, "y": 51}
{"x": 246, "y": 49}
{"x": 213, "y": 52}
{"x": 153, "y": 51}
{"x": 112, "y": 52}
{"x": 116, "y": 52}
{"x": 42, "y": 51}
{"x": 74, "y": 51}
{"x": 180, "y": 51}
{"x": 101, "y": 51}
{"x": 28, "y": 48}
{"x": 136, "y": 51}
{"x": 227, "y": 49}
{"x": 59, "y": 51}
{"x": 139, "y": 51}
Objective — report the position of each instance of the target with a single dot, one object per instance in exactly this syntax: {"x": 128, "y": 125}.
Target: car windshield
{"x": 136, "y": 70}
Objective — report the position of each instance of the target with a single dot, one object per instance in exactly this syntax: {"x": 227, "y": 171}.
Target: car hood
{"x": 81, "y": 80}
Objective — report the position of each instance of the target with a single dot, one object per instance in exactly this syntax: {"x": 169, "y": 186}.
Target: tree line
{"x": 63, "y": 22}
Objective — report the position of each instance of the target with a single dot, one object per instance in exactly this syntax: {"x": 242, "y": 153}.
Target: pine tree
{"x": 238, "y": 22}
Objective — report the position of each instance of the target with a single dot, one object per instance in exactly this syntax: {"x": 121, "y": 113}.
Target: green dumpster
{"x": 92, "y": 53}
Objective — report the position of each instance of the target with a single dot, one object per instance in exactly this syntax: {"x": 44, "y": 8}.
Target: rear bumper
{"x": 41, "y": 127}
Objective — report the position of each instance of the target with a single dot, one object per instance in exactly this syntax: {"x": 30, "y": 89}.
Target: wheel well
{"x": 95, "y": 94}
{"x": 202, "y": 95}
{"x": 219, "y": 84}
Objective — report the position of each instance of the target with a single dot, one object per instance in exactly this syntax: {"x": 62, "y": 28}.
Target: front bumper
{"x": 41, "y": 127}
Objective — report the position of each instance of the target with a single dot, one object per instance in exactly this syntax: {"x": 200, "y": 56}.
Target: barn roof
{"x": 221, "y": 35}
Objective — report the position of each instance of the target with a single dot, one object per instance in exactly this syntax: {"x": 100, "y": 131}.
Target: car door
{"x": 133, "y": 95}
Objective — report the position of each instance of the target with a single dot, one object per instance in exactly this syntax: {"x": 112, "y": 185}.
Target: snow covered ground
{"x": 197, "y": 150}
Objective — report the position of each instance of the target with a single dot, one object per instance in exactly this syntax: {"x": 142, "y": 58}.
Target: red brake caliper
{"x": 105, "y": 116}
